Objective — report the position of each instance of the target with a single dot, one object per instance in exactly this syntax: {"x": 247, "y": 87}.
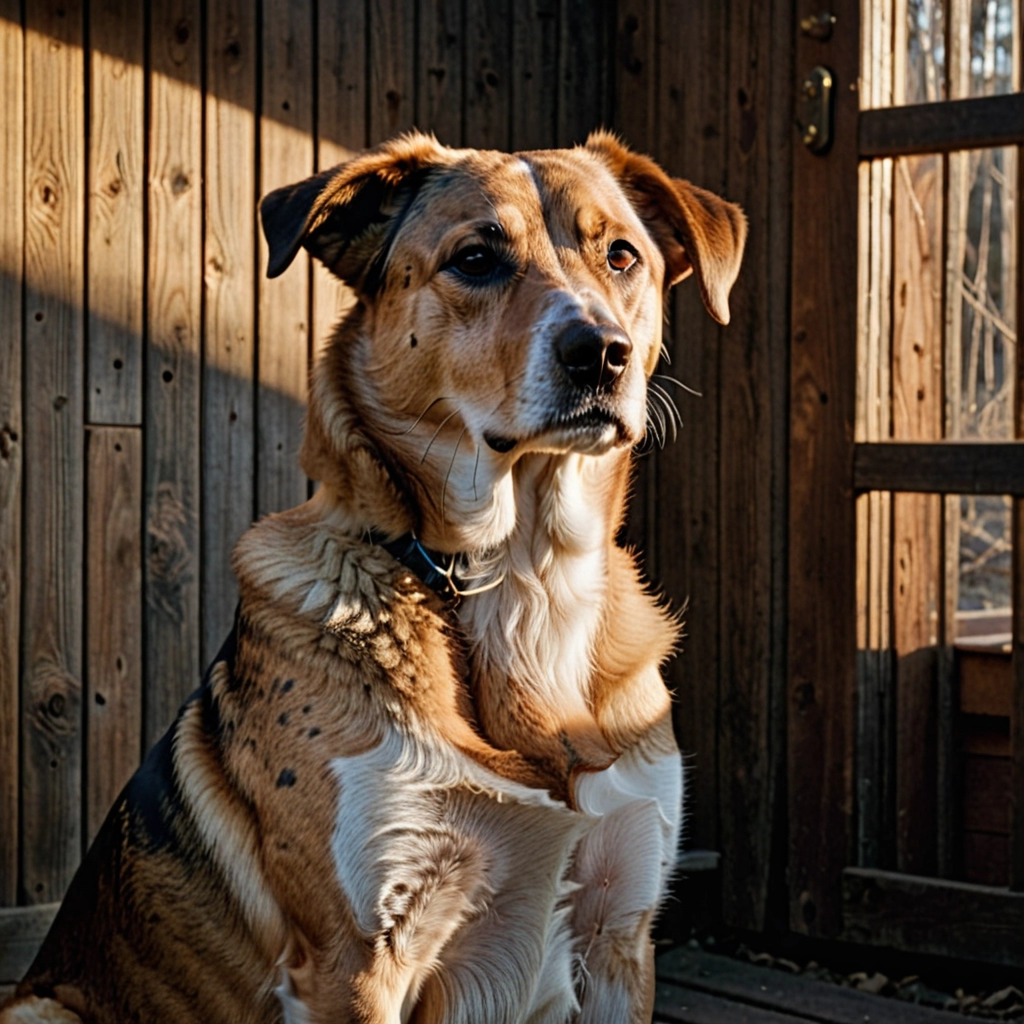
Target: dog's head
{"x": 510, "y": 303}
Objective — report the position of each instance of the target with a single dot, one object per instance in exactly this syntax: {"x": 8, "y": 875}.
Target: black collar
{"x": 438, "y": 571}
{"x": 435, "y": 570}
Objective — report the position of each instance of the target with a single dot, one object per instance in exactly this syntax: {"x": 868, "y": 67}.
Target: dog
{"x": 432, "y": 774}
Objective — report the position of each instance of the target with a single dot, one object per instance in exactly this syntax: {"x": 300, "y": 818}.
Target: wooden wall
{"x": 152, "y": 380}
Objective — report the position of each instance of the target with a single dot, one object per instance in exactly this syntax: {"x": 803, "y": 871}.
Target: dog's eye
{"x": 474, "y": 261}
{"x": 621, "y": 255}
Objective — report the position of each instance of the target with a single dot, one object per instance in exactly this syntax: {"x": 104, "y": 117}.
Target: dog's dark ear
{"x": 346, "y": 215}
{"x": 695, "y": 229}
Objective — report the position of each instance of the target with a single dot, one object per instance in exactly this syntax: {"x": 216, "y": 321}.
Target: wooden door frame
{"x": 829, "y": 896}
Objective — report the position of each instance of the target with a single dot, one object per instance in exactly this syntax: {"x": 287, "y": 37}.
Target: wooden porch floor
{"x": 695, "y": 987}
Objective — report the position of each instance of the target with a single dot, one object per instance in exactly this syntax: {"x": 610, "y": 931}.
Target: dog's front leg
{"x": 622, "y": 867}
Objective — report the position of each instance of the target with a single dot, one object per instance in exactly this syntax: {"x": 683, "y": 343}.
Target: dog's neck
{"x": 543, "y": 526}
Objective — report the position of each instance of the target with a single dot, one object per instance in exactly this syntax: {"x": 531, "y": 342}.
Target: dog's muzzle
{"x": 593, "y": 356}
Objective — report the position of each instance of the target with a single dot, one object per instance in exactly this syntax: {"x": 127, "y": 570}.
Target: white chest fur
{"x": 481, "y": 896}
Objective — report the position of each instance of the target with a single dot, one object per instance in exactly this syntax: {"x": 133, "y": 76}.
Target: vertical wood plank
{"x": 534, "y": 74}
{"x": 488, "y": 74}
{"x": 692, "y": 102}
{"x": 340, "y": 130}
{"x": 635, "y": 117}
{"x": 583, "y": 38}
{"x": 753, "y": 389}
{"x": 113, "y": 661}
{"x": 229, "y": 330}
{"x": 822, "y": 561}
{"x": 12, "y": 237}
{"x": 917, "y": 415}
{"x": 392, "y": 101}
{"x": 286, "y": 156}
{"x": 51, "y": 758}
{"x": 174, "y": 338}
{"x": 116, "y": 186}
{"x": 439, "y": 95}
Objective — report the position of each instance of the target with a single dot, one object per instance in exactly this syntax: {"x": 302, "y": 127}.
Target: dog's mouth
{"x": 589, "y": 430}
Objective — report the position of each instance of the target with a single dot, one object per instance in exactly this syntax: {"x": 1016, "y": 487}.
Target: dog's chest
{"x": 455, "y": 874}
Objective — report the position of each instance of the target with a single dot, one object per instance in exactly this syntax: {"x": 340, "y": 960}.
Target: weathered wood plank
{"x": 488, "y": 74}
{"x": 340, "y": 129}
{"x": 12, "y": 238}
{"x": 583, "y": 69}
{"x": 533, "y": 82}
{"x": 931, "y": 915}
{"x": 693, "y": 97}
{"x": 229, "y": 330}
{"x": 636, "y": 101}
{"x": 752, "y": 403}
{"x": 688, "y": 1006}
{"x": 822, "y": 561}
{"x": 22, "y": 930}
{"x": 773, "y": 990}
{"x": 174, "y": 340}
{"x": 113, "y": 650}
{"x": 286, "y": 156}
{"x": 51, "y": 757}
{"x": 392, "y": 100}
{"x": 116, "y": 191}
{"x": 917, "y": 415}
{"x": 941, "y": 467}
{"x": 439, "y": 94}
{"x": 1017, "y": 564}
{"x": 942, "y": 127}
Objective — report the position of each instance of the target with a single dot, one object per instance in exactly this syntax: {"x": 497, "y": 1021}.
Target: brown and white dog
{"x": 385, "y": 806}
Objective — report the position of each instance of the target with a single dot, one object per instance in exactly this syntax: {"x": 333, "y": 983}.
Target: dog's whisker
{"x": 436, "y": 432}
{"x": 667, "y": 401}
{"x": 679, "y": 383}
{"x": 476, "y": 466}
{"x": 419, "y": 419}
{"x": 451, "y": 466}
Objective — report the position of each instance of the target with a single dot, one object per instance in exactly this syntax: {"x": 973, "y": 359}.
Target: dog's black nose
{"x": 593, "y": 355}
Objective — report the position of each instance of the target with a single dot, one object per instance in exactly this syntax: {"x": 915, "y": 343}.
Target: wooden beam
{"x": 822, "y": 614}
{"x": 748, "y": 986}
{"x": 931, "y": 915}
{"x": 940, "y": 467}
{"x": 22, "y": 930}
{"x": 942, "y": 127}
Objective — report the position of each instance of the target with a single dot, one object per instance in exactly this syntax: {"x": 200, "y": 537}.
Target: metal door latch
{"x": 815, "y": 109}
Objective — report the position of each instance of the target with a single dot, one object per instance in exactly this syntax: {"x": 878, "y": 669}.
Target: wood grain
{"x": 22, "y": 930}
{"x": 488, "y": 74}
{"x": 12, "y": 431}
{"x": 391, "y": 59}
{"x": 931, "y": 915}
{"x": 821, "y": 642}
{"x": 340, "y": 131}
{"x": 174, "y": 340}
{"x": 917, "y": 415}
{"x": 753, "y": 387}
{"x": 113, "y": 598}
{"x": 229, "y": 328}
{"x": 692, "y": 107}
{"x": 942, "y": 127}
{"x": 534, "y": 75}
{"x": 51, "y": 758}
{"x": 286, "y": 156}
{"x": 941, "y": 467}
{"x": 1017, "y": 569}
{"x": 762, "y": 987}
{"x": 583, "y": 69}
{"x": 116, "y": 190}
{"x": 440, "y": 89}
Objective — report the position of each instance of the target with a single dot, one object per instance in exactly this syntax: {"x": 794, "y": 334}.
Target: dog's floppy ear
{"x": 695, "y": 229}
{"x": 346, "y": 216}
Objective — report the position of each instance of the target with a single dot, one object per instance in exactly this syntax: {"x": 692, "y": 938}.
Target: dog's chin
{"x": 593, "y": 432}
